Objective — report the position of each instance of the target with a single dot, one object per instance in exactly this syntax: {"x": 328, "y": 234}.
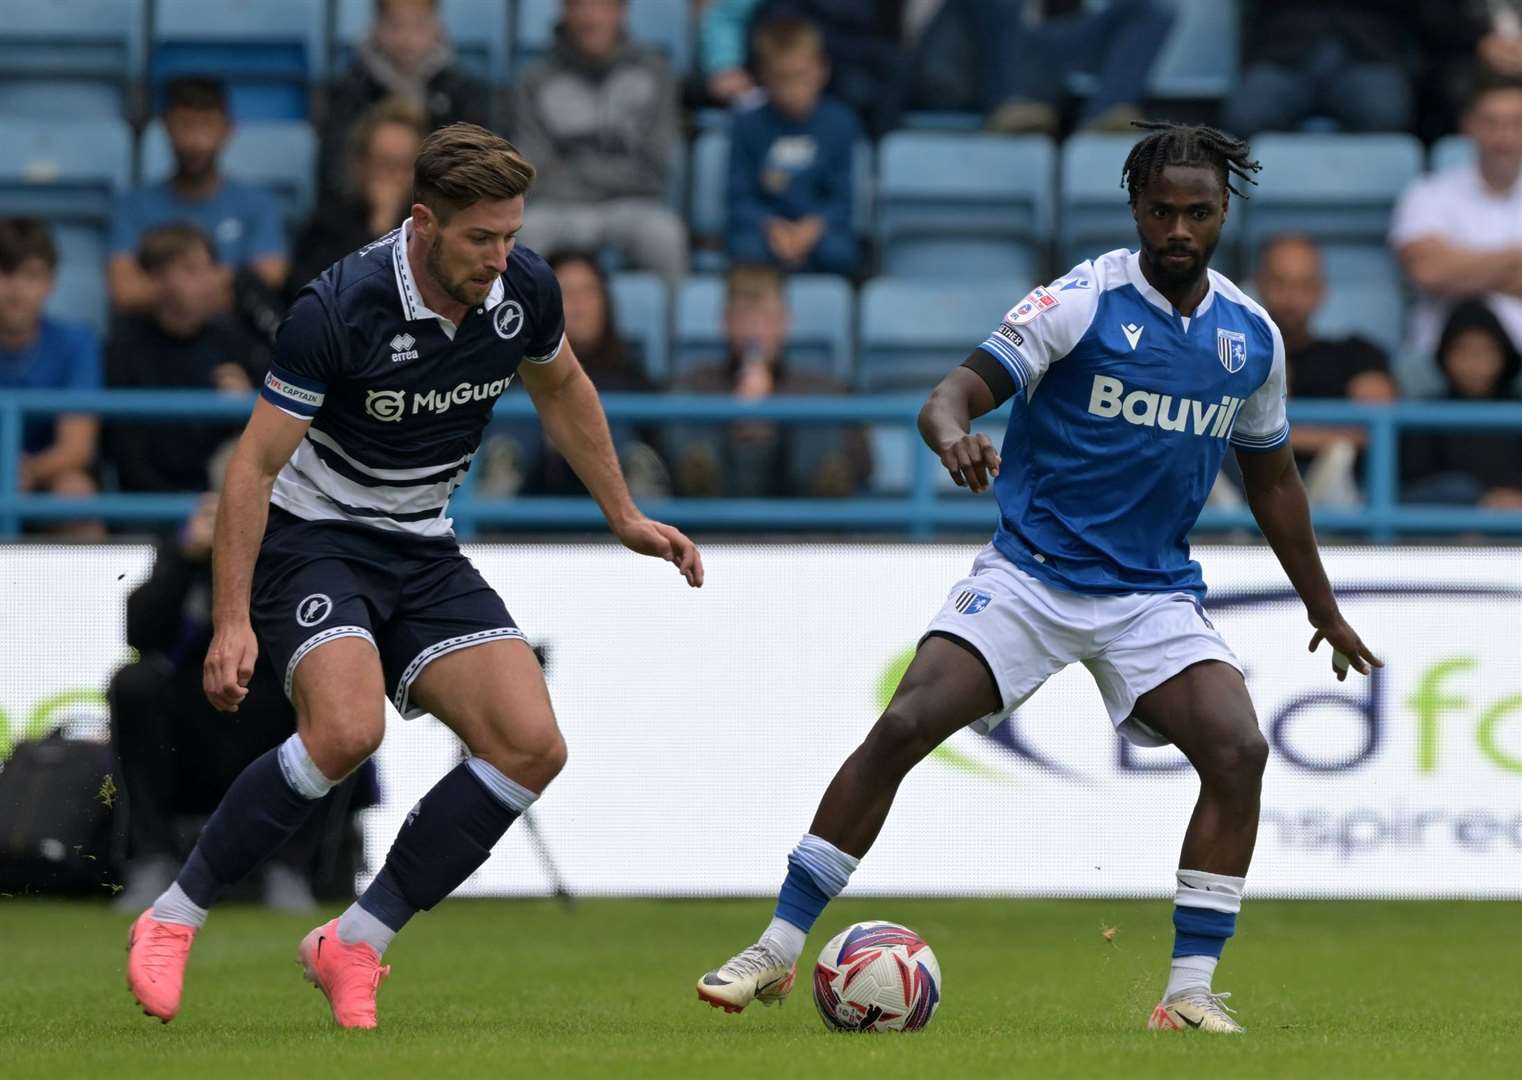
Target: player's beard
{"x": 1180, "y": 278}
{"x": 460, "y": 291}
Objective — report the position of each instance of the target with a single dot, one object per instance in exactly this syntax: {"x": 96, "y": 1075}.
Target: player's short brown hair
{"x": 781, "y": 37}
{"x": 163, "y": 244}
{"x": 462, "y": 164}
{"x": 23, "y": 238}
{"x": 750, "y": 283}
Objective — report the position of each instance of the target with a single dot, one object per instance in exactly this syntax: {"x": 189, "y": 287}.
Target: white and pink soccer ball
{"x": 877, "y": 976}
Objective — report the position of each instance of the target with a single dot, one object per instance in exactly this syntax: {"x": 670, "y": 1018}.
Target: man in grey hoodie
{"x": 406, "y": 55}
{"x": 598, "y": 117}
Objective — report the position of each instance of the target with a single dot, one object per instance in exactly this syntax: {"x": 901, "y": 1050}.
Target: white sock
{"x": 175, "y": 907}
{"x": 506, "y": 791}
{"x": 300, "y": 771}
{"x": 785, "y": 938}
{"x": 357, "y": 924}
{"x": 1190, "y": 973}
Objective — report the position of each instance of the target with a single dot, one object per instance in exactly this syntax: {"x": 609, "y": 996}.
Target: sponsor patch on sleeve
{"x": 1036, "y": 301}
{"x": 1009, "y": 333}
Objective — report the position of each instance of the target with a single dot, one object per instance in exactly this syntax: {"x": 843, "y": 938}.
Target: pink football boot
{"x": 348, "y": 974}
{"x": 156, "y": 956}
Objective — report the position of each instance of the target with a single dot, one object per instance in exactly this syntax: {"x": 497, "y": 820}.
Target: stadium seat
{"x": 80, "y": 291}
{"x": 478, "y": 30}
{"x": 1339, "y": 189}
{"x": 1095, "y": 211}
{"x": 1200, "y": 56}
{"x": 964, "y": 205}
{"x": 663, "y": 23}
{"x": 709, "y": 208}
{"x": 1373, "y": 310}
{"x": 72, "y": 59}
{"x": 1451, "y": 150}
{"x": 267, "y": 51}
{"x": 643, "y": 311}
{"x": 280, "y": 155}
{"x": 913, "y": 332}
{"x": 820, "y": 306}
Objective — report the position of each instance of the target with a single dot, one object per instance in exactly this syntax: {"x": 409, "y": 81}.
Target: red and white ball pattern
{"x": 877, "y": 976}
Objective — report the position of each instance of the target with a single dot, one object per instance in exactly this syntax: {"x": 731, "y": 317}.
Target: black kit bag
{"x": 56, "y": 798}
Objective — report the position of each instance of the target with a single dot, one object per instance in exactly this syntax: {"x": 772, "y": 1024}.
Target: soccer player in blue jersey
{"x": 1129, "y": 375}
{"x": 334, "y": 553}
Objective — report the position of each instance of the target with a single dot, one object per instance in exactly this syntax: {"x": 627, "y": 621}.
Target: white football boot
{"x": 757, "y": 974}
{"x": 1195, "y": 1010}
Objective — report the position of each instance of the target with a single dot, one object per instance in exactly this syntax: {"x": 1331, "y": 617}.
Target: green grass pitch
{"x": 528, "y": 990}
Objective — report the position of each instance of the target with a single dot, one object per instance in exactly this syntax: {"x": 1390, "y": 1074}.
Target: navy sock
{"x": 448, "y": 835}
{"x": 256, "y": 816}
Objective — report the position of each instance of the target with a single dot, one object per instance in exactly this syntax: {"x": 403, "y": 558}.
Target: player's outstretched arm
{"x": 1278, "y": 502}
{"x": 576, "y": 426}
{"x": 960, "y": 398}
{"x": 265, "y": 446}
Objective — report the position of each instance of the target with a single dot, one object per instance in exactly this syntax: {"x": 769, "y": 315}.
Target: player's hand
{"x": 1347, "y": 648}
{"x": 229, "y": 665}
{"x": 972, "y": 461}
{"x": 663, "y": 542}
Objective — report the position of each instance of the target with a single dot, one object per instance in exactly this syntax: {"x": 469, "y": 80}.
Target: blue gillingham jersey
{"x": 398, "y": 395}
{"x": 1124, "y": 413}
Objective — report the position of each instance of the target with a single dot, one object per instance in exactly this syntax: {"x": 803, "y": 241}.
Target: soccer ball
{"x": 877, "y": 976}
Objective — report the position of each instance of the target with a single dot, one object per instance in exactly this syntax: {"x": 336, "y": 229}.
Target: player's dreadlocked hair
{"x": 1186, "y": 144}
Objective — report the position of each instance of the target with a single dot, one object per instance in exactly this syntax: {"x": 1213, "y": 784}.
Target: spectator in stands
{"x": 791, "y": 161}
{"x": 406, "y": 55}
{"x": 598, "y": 119}
{"x": 184, "y": 342}
{"x": 1478, "y": 362}
{"x": 376, "y": 191}
{"x": 39, "y": 352}
{"x": 175, "y": 753}
{"x": 862, "y": 39}
{"x": 1458, "y": 232}
{"x": 244, "y": 219}
{"x": 1012, "y": 60}
{"x": 1292, "y": 289}
{"x": 1353, "y": 61}
{"x": 756, "y": 458}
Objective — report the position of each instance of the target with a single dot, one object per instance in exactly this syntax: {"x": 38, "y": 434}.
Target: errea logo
{"x": 402, "y": 345}
{"x": 1145, "y": 408}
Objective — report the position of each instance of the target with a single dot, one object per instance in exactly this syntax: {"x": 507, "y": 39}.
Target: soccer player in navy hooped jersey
{"x": 335, "y": 555}
{"x": 1130, "y": 375}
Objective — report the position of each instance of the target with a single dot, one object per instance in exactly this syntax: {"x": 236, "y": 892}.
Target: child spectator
{"x": 39, "y": 352}
{"x": 183, "y": 343}
{"x": 791, "y": 161}
{"x": 759, "y": 457}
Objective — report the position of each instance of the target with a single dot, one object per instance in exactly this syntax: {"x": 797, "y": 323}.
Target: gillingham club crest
{"x": 1231, "y": 347}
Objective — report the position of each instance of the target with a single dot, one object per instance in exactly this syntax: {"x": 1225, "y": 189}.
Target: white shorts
{"x": 1028, "y": 631}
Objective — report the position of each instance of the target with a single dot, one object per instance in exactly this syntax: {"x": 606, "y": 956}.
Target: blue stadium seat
{"x": 663, "y": 23}
{"x": 820, "y": 307}
{"x": 1373, "y": 310}
{"x": 1094, "y": 215}
{"x": 1200, "y": 56}
{"x": 964, "y": 205}
{"x": 68, "y": 172}
{"x": 1452, "y": 150}
{"x": 478, "y": 30}
{"x": 1337, "y": 189}
{"x": 267, "y": 51}
{"x": 913, "y": 332}
{"x": 709, "y": 208}
{"x": 282, "y": 156}
{"x": 71, "y": 59}
{"x": 642, "y": 310}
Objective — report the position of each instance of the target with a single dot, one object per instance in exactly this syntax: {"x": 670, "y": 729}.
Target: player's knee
{"x": 338, "y": 748}
{"x": 1239, "y": 759}
{"x": 552, "y": 758}
{"x": 899, "y": 738}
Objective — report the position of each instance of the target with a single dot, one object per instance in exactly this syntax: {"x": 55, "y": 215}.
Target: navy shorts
{"x": 414, "y": 598}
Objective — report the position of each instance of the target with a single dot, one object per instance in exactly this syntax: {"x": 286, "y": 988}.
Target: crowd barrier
{"x": 920, "y": 512}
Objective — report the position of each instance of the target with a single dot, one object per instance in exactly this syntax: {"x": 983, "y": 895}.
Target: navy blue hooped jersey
{"x": 1125, "y": 412}
{"x": 398, "y": 395}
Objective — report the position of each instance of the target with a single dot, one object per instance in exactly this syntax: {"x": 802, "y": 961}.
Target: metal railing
{"x": 921, "y": 511}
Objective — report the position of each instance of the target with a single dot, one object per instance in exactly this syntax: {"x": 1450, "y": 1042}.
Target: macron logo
{"x": 1133, "y": 334}
{"x": 1145, "y": 408}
